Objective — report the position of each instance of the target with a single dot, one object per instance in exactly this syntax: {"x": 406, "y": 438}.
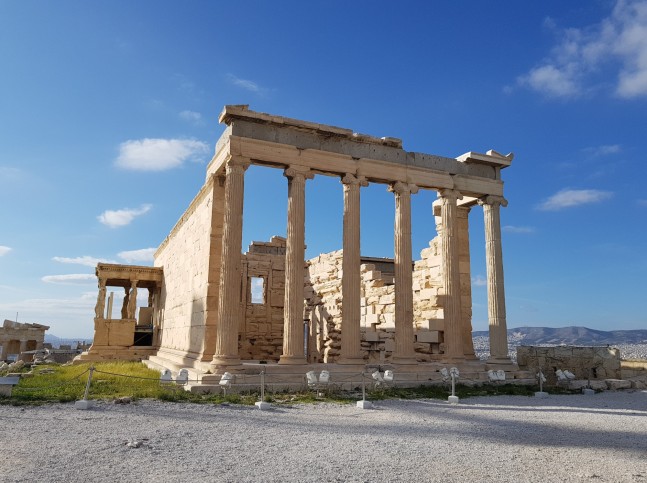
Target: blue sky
{"x": 108, "y": 115}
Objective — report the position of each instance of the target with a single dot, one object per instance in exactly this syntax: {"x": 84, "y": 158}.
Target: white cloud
{"x": 84, "y": 260}
{"x": 479, "y": 281}
{"x": 142, "y": 255}
{"x": 116, "y": 218}
{"x": 72, "y": 278}
{"x": 603, "y": 150}
{"x": 4, "y": 250}
{"x": 518, "y": 229}
{"x": 10, "y": 175}
{"x": 159, "y": 154}
{"x": 568, "y": 198}
{"x": 191, "y": 116}
{"x": 642, "y": 202}
{"x": 245, "y": 84}
{"x": 574, "y": 65}
{"x": 551, "y": 81}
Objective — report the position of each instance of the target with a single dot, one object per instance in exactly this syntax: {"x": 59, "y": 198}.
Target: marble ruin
{"x": 212, "y": 308}
{"x": 16, "y": 338}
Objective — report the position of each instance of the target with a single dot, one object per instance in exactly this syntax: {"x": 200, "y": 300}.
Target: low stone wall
{"x": 583, "y": 362}
{"x": 632, "y": 369}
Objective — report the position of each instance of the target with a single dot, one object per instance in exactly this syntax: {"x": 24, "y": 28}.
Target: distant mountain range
{"x": 571, "y": 336}
{"x": 58, "y": 341}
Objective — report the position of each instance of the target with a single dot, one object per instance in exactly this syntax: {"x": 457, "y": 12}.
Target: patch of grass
{"x": 55, "y": 383}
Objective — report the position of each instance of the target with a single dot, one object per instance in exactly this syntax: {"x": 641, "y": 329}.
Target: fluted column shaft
{"x": 226, "y": 352}
{"x": 351, "y": 280}
{"x": 293, "y": 340}
{"x": 451, "y": 274}
{"x": 404, "y": 352}
{"x": 495, "y": 287}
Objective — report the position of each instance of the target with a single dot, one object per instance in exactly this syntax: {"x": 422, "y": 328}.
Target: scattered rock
{"x": 123, "y": 400}
{"x": 615, "y": 384}
{"x": 137, "y": 443}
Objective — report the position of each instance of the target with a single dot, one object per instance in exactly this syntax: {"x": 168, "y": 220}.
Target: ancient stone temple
{"x": 213, "y": 308}
{"x": 16, "y": 338}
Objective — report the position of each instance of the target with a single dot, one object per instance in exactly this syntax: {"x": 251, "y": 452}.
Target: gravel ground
{"x": 602, "y": 437}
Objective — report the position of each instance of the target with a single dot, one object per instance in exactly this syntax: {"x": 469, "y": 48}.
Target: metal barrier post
{"x": 84, "y": 403}
{"x": 453, "y": 399}
{"x": 262, "y": 405}
{"x": 364, "y": 404}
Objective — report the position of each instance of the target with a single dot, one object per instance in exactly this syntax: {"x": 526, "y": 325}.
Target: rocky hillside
{"x": 572, "y": 336}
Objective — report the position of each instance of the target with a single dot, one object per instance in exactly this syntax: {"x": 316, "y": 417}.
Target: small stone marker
{"x": 262, "y": 405}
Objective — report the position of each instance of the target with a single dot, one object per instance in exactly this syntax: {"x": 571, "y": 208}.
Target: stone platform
{"x": 280, "y": 377}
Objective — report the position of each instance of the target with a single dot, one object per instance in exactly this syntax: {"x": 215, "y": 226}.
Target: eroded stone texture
{"x": 261, "y": 332}
{"x": 583, "y": 362}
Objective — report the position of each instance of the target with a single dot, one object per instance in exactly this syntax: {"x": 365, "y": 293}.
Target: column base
{"x": 454, "y": 360}
{"x": 499, "y": 360}
{"x": 404, "y": 360}
{"x": 351, "y": 361}
{"x": 292, "y": 360}
{"x": 221, "y": 360}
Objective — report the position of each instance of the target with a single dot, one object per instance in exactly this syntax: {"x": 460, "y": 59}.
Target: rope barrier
{"x": 97, "y": 371}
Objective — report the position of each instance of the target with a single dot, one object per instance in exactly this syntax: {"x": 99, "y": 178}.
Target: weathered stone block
{"x": 371, "y": 336}
{"x": 431, "y": 336}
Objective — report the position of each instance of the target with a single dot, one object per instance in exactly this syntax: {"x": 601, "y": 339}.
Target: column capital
{"x": 450, "y": 194}
{"x": 400, "y": 188}
{"x": 353, "y": 180}
{"x": 237, "y": 164}
{"x": 294, "y": 171}
{"x": 493, "y": 200}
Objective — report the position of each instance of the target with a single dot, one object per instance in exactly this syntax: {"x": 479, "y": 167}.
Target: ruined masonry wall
{"x": 324, "y": 301}
{"x": 324, "y": 298}
{"x": 597, "y": 362}
{"x": 262, "y": 327}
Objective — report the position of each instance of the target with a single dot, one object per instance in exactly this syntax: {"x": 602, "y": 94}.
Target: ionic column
{"x": 226, "y": 351}
{"x": 351, "y": 280}
{"x": 404, "y": 352}
{"x": 101, "y": 300}
{"x": 451, "y": 274}
{"x": 294, "y": 267}
{"x": 495, "y": 288}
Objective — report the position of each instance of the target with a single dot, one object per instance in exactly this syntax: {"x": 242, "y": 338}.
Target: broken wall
{"x": 261, "y": 331}
{"x": 584, "y": 362}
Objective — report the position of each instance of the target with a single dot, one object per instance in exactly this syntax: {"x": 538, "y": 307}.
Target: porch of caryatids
{"x": 293, "y": 332}
{"x": 496, "y": 291}
{"x": 404, "y": 352}
{"x": 451, "y": 274}
{"x": 351, "y": 279}
{"x": 226, "y": 350}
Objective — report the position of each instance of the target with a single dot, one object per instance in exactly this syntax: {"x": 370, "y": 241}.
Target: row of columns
{"x": 226, "y": 353}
